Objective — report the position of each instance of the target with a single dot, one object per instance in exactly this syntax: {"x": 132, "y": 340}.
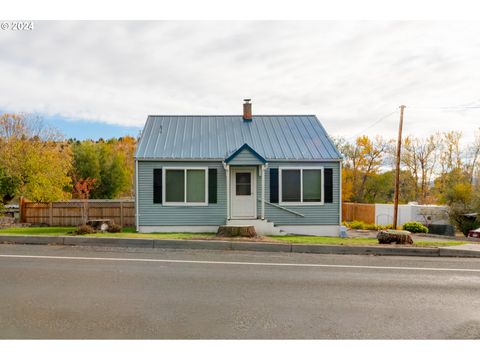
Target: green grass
{"x": 47, "y": 231}
{"x": 325, "y": 240}
{"x": 126, "y": 233}
{"x": 438, "y": 243}
{"x": 130, "y": 233}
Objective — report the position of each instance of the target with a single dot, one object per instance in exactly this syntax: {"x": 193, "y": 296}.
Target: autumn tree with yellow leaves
{"x": 34, "y": 162}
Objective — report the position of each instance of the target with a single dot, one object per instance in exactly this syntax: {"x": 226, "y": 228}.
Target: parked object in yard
{"x": 100, "y": 224}
{"x": 6, "y": 221}
{"x": 394, "y": 237}
{"x": 278, "y": 173}
{"x": 465, "y": 222}
{"x": 474, "y": 235}
{"x": 439, "y": 229}
{"x": 11, "y": 211}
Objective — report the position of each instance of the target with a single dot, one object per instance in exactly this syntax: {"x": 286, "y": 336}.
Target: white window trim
{"x": 301, "y": 202}
{"x": 185, "y": 203}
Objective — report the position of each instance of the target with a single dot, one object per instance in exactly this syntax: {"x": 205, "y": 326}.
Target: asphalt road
{"x": 66, "y": 292}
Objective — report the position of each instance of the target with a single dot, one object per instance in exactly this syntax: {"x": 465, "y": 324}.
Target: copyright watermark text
{"x": 16, "y": 25}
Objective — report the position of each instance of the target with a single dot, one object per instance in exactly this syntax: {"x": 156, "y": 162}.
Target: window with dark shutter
{"x": 328, "y": 189}
{"x": 274, "y": 186}
{"x": 157, "y": 186}
{"x": 212, "y": 186}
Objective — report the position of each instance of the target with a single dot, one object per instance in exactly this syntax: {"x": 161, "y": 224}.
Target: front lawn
{"x": 46, "y": 231}
{"x": 128, "y": 232}
{"x": 326, "y": 240}
{"x": 291, "y": 239}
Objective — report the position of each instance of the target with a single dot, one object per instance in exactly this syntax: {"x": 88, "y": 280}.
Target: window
{"x": 301, "y": 186}
{"x": 291, "y": 185}
{"x": 312, "y": 185}
{"x": 243, "y": 183}
{"x": 185, "y": 186}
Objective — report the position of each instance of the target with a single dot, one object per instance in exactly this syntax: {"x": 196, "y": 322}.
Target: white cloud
{"x": 347, "y": 73}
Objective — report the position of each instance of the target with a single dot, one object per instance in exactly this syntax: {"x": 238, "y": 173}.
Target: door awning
{"x": 245, "y": 155}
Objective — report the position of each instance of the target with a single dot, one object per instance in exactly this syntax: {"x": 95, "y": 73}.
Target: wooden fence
{"x": 69, "y": 213}
{"x": 359, "y": 212}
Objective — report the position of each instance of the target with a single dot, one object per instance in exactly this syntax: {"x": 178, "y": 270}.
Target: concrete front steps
{"x": 262, "y": 227}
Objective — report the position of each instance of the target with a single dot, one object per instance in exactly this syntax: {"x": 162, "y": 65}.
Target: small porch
{"x": 245, "y": 186}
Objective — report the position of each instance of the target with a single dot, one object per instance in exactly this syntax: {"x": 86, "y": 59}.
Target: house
{"x": 281, "y": 174}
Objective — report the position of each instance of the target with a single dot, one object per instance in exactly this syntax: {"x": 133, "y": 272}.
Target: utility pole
{"x": 397, "y": 169}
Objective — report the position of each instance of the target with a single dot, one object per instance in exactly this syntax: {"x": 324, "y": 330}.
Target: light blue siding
{"x": 245, "y": 157}
{"x": 326, "y": 214}
{"x": 151, "y": 214}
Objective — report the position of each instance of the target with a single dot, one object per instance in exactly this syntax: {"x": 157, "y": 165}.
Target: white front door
{"x": 243, "y": 190}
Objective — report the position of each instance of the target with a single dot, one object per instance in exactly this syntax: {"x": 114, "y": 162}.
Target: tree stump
{"x": 236, "y": 230}
{"x": 394, "y": 237}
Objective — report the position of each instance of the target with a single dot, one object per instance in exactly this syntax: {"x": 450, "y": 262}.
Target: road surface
{"x": 56, "y": 292}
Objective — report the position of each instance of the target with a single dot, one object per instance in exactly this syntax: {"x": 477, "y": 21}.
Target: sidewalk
{"x": 468, "y": 250}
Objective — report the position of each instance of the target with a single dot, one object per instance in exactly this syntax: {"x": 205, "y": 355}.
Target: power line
{"x": 372, "y": 125}
{"x": 451, "y": 108}
{"x": 466, "y": 105}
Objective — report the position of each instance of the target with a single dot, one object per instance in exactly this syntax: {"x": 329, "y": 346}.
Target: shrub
{"x": 357, "y": 225}
{"x": 415, "y": 227}
{"x": 114, "y": 228}
{"x": 360, "y": 225}
{"x": 84, "y": 229}
{"x": 371, "y": 227}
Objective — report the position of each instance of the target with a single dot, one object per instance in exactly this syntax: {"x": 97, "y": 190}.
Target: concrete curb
{"x": 446, "y": 252}
{"x": 31, "y": 240}
{"x": 235, "y": 245}
{"x": 364, "y": 250}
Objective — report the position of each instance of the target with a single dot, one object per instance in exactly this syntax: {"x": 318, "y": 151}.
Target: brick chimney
{"x": 247, "y": 110}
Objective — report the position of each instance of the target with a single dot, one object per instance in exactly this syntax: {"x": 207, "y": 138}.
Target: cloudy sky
{"x": 101, "y": 79}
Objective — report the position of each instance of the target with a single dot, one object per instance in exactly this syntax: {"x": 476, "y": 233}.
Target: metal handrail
{"x": 282, "y": 208}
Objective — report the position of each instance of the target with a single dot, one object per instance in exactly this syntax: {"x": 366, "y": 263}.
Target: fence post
{"x": 50, "y": 214}
{"x": 22, "y": 209}
{"x": 121, "y": 214}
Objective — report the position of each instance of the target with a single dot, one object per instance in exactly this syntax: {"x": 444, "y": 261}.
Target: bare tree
{"x": 473, "y": 157}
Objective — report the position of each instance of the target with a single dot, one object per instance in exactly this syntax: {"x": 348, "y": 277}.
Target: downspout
{"x": 340, "y": 164}
{"x": 264, "y": 166}
{"x": 227, "y": 173}
{"x": 136, "y": 197}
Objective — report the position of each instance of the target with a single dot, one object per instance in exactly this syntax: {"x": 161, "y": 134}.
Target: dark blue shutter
{"x": 157, "y": 186}
{"x": 328, "y": 186}
{"x": 212, "y": 186}
{"x": 274, "y": 186}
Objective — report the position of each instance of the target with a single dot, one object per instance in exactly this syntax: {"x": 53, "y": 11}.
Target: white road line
{"x": 234, "y": 263}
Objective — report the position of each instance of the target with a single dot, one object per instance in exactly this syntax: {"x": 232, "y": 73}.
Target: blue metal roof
{"x": 274, "y": 137}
